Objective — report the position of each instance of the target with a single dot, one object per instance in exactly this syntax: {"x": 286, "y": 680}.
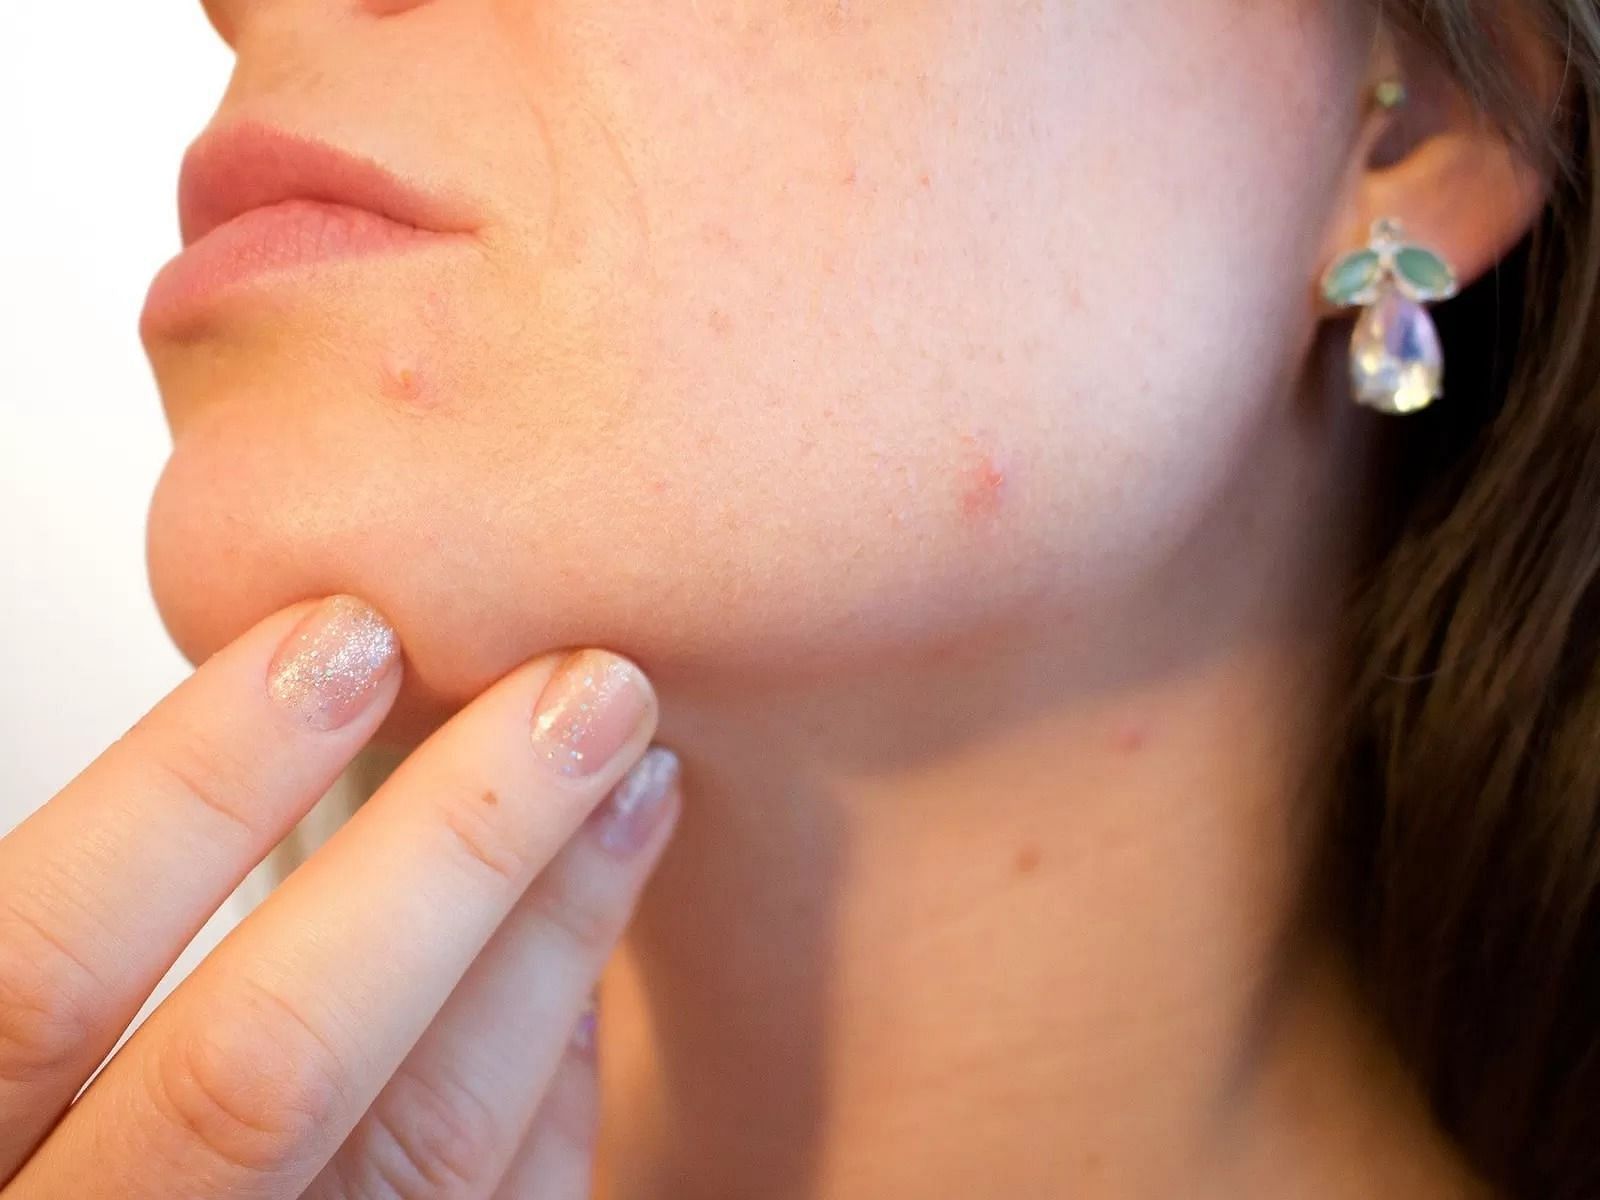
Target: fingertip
{"x": 338, "y": 661}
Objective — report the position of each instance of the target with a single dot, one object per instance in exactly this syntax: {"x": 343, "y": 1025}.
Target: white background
{"x": 97, "y": 103}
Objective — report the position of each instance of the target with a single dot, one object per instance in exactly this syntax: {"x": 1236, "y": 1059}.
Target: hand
{"x": 397, "y": 1018}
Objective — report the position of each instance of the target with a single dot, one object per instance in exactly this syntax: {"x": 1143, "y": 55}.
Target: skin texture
{"x": 829, "y": 386}
{"x": 935, "y": 400}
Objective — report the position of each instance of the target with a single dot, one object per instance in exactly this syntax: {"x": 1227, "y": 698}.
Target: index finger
{"x": 102, "y": 888}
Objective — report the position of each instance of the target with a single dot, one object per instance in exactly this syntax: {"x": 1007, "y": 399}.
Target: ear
{"x": 1440, "y": 166}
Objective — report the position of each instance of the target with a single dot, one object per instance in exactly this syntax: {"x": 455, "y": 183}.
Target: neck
{"x": 1015, "y": 921}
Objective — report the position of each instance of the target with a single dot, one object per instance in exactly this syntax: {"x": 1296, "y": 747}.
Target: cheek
{"x": 997, "y": 305}
{"x": 908, "y": 379}
{"x": 715, "y": 553}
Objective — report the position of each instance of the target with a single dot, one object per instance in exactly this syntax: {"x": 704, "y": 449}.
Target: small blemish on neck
{"x": 1131, "y": 737}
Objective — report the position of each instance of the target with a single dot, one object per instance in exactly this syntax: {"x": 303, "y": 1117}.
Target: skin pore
{"x": 934, "y": 401}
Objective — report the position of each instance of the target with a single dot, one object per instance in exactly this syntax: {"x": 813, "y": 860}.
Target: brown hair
{"x": 1464, "y": 848}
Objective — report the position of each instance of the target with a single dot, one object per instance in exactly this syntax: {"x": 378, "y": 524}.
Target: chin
{"x": 259, "y": 507}
{"x": 490, "y": 530}
{"x": 268, "y": 500}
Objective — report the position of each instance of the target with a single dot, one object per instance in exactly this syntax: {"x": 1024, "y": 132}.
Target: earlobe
{"x": 1466, "y": 193}
{"x": 1437, "y": 196}
{"x": 1432, "y": 161}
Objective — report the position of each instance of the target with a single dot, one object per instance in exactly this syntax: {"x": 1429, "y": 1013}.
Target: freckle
{"x": 1028, "y": 859}
{"x": 719, "y": 321}
{"x": 491, "y": 799}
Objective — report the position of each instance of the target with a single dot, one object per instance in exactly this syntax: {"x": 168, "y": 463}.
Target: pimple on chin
{"x": 401, "y": 379}
{"x": 406, "y": 373}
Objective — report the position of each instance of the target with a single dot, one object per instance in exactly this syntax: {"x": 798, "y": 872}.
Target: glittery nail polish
{"x": 589, "y": 710}
{"x": 629, "y": 815}
{"x": 329, "y": 667}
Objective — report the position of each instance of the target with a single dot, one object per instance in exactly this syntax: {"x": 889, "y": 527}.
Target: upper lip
{"x": 234, "y": 168}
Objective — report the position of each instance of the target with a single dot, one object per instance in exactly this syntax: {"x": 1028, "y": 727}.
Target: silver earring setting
{"x": 1396, "y": 362}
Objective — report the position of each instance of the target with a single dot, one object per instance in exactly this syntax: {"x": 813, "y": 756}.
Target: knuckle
{"x": 202, "y": 772}
{"x": 254, "y": 1089}
{"x": 583, "y": 908}
{"x": 485, "y": 838}
{"x": 47, "y": 995}
{"x": 428, "y": 1137}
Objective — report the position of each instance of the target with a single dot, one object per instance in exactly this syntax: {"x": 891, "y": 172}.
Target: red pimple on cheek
{"x": 983, "y": 481}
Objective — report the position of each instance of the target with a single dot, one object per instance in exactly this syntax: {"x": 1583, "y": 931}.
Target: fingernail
{"x": 330, "y": 665}
{"x": 629, "y": 815}
{"x": 589, "y": 710}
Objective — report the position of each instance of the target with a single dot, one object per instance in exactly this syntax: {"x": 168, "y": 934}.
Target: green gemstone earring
{"x": 1396, "y": 362}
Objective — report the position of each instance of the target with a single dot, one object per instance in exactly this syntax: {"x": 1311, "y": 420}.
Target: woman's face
{"x": 794, "y": 334}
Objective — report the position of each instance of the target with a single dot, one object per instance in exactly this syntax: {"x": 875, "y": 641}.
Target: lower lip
{"x": 268, "y": 241}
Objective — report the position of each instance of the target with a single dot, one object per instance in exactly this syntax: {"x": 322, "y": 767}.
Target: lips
{"x": 255, "y": 200}
{"x": 236, "y": 168}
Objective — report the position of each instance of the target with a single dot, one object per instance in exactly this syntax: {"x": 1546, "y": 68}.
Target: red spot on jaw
{"x": 983, "y": 482}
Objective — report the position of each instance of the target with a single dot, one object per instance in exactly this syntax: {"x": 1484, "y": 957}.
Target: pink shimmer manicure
{"x": 588, "y": 712}
{"x": 332, "y": 662}
{"x": 630, "y": 814}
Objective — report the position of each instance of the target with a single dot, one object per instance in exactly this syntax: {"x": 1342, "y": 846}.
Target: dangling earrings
{"x": 1396, "y": 362}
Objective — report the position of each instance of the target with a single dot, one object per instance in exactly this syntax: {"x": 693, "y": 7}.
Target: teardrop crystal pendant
{"x": 1396, "y": 363}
